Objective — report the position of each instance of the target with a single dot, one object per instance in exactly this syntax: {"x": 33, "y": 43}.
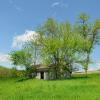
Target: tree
{"x": 49, "y": 43}
{"x": 91, "y": 36}
{"x": 22, "y": 58}
{"x": 59, "y": 46}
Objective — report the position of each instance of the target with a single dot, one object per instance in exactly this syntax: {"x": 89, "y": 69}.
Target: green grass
{"x": 77, "y": 88}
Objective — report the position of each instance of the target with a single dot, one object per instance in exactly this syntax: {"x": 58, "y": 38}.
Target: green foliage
{"x": 60, "y": 44}
{"x": 21, "y": 58}
{"x": 17, "y": 73}
{"x": 83, "y": 17}
{"x": 91, "y": 36}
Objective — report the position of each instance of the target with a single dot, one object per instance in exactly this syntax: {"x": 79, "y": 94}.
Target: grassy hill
{"x": 8, "y": 73}
{"x": 2, "y": 67}
{"x": 5, "y": 72}
{"x": 77, "y": 88}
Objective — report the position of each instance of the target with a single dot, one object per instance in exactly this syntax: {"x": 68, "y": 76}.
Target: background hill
{"x": 7, "y": 72}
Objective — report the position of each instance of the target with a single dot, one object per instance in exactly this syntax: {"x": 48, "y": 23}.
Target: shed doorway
{"x": 42, "y": 75}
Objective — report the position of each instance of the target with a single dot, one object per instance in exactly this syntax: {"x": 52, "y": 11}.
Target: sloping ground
{"x": 5, "y": 72}
{"x": 8, "y": 73}
{"x": 2, "y": 67}
{"x": 77, "y": 88}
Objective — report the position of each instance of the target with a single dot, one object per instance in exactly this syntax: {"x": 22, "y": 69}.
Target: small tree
{"x": 22, "y": 58}
{"x": 90, "y": 33}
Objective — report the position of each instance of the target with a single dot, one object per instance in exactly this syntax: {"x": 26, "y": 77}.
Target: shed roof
{"x": 42, "y": 69}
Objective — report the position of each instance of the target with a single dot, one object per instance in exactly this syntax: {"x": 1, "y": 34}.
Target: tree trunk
{"x": 87, "y": 63}
{"x": 86, "y": 75}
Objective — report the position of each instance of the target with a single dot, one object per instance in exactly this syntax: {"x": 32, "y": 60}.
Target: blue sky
{"x": 17, "y": 16}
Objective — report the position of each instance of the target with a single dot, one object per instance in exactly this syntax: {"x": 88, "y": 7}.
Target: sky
{"x": 20, "y": 18}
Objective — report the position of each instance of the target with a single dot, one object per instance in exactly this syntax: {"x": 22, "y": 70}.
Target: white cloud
{"x": 4, "y": 57}
{"x": 27, "y": 36}
{"x": 55, "y": 4}
{"x": 59, "y": 4}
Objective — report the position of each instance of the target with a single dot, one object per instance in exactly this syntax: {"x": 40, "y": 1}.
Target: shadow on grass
{"x": 72, "y": 78}
{"x": 76, "y": 77}
{"x": 22, "y": 79}
{"x": 80, "y": 77}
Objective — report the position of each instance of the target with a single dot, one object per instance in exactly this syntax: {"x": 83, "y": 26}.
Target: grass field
{"x": 77, "y": 88}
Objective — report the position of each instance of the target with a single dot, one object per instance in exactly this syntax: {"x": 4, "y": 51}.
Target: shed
{"x": 47, "y": 73}
{"x": 42, "y": 73}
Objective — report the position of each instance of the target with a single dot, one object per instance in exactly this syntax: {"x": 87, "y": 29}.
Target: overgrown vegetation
{"x": 60, "y": 45}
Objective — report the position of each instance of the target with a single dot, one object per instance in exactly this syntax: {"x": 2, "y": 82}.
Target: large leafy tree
{"x": 50, "y": 44}
{"x": 59, "y": 46}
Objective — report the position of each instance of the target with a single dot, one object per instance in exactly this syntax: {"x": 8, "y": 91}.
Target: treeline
{"x": 60, "y": 44}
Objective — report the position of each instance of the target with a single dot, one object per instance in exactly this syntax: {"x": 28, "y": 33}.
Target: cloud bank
{"x": 27, "y": 36}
